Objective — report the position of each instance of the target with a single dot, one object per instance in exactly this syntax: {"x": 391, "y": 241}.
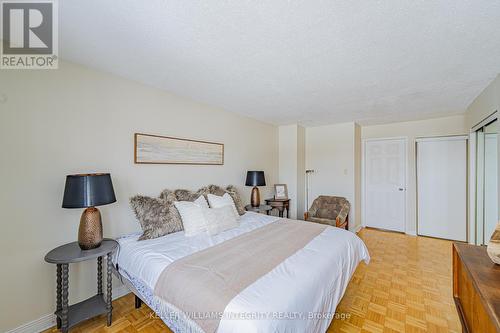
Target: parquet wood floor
{"x": 405, "y": 288}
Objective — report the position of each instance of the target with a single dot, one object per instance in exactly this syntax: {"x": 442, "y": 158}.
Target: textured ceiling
{"x": 311, "y": 62}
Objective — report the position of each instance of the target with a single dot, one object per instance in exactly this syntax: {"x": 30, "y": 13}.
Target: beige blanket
{"x": 202, "y": 284}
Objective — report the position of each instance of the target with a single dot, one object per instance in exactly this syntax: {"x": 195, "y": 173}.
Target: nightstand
{"x": 280, "y": 205}
{"x": 62, "y": 256}
{"x": 259, "y": 209}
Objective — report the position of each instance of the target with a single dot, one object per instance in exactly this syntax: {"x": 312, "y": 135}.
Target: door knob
{"x": 401, "y": 189}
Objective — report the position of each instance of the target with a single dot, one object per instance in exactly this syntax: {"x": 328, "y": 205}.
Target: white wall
{"x": 487, "y": 102}
{"x": 331, "y": 152}
{"x": 292, "y": 166}
{"x": 411, "y": 130}
{"x": 334, "y": 152}
{"x": 288, "y": 163}
{"x": 301, "y": 172}
{"x": 357, "y": 175}
{"x": 76, "y": 120}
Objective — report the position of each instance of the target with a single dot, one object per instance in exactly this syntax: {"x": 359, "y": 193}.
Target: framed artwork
{"x": 156, "y": 149}
{"x": 280, "y": 191}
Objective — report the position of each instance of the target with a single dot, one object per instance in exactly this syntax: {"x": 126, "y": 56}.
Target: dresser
{"x": 476, "y": 289}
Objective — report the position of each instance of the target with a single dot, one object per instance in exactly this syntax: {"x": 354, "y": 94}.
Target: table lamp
{"x": 255, "y": 178}
{"x": 88, "y": 191}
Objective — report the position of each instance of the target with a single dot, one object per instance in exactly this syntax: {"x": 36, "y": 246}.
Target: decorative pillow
{"x": 219, "y": 219}
{"x": 216, "y": 190}
{"x": 157, "y": 217}
{"x": 225, "y": 200}
{"x": 233, "y": 192}
{"x": 193, "y": 220}
{"x": 201, "y": 201}
{"x": 186, "y": 195}
{"x": 168, "y": 195}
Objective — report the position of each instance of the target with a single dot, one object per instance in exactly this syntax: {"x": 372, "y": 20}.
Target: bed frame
{"x": 138, "y": 297}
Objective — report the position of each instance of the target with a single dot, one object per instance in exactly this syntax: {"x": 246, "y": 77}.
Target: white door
{"x": 442, "y": 187}
{"x": 385, "y": 184}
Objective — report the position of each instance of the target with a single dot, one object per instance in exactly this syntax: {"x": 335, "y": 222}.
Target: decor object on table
{"x": 329, "y": 210}
{"x": 280, "y": 191}
{"x": 259, "y": 209}
{"x": 280, "y": 205}
{"x": 68, "y": 316}
{"x": 88, "y": 191}
{"x": 493, "y": 247}
{"x": 255, "y": 178}
{"x": 156, "y": 149}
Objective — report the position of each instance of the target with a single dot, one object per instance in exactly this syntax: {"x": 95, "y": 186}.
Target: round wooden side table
{"x": 62, "y": 256}
{"x": 259, "y": 209}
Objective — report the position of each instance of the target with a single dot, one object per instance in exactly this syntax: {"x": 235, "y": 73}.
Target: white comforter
{"x": 299, "y": 295}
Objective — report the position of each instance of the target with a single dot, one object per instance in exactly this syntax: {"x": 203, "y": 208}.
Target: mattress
{"x": 298, "y": 295}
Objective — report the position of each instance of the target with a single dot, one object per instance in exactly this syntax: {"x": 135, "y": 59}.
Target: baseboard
{"x": 49, "y": 320}
{"x": 37, "y": 325}
{"x": 120, "y": 291}
{"x": 358, "y": 229}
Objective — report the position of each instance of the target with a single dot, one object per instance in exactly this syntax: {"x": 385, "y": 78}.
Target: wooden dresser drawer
{"x": 476, "y": 289}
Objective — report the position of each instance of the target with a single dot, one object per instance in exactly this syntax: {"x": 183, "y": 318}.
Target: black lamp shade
{"x": 88, "y": 190}
{"x": 255, "y": 178}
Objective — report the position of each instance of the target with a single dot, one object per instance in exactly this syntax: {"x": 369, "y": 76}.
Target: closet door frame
{"x": 465, "y": 137}
{"x": 473, "y": 223}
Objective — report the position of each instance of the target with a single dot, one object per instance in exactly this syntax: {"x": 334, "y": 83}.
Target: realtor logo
{"x": 29, "y": 34}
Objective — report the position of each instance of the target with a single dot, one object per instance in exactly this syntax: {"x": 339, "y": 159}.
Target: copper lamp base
{"x": 90, "y": 230}
{"x": 255, "y": 197}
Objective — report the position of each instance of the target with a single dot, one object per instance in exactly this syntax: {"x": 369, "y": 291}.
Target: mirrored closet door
{"x": 486, "y": 181}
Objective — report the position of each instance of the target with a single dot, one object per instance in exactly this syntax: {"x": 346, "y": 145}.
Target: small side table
{"x": 280, "y": 205}
{"x": 259, "y": 209}
{"x": 62, "y": 256}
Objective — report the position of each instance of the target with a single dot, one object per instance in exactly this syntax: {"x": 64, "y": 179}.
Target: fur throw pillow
{"x": 233, "y": 192}
{"x": 187, "y": 195}
{"x": 168, "y": 195}
{"x": 216, "y": 190}
{"x": 157, "y": 216}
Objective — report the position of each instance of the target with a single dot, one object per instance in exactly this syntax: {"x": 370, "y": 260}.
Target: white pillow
{"x": 191, "y": 213}
{"x": 216, "y": 202}
{"x": 201, "y": 201}
{"x": 219, "y": 219}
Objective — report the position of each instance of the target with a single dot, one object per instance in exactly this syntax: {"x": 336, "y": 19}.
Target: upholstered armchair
{"x": 329, "y": 210}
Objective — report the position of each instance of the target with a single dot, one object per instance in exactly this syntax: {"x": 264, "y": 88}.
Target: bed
{"x": 299, "y": 294}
